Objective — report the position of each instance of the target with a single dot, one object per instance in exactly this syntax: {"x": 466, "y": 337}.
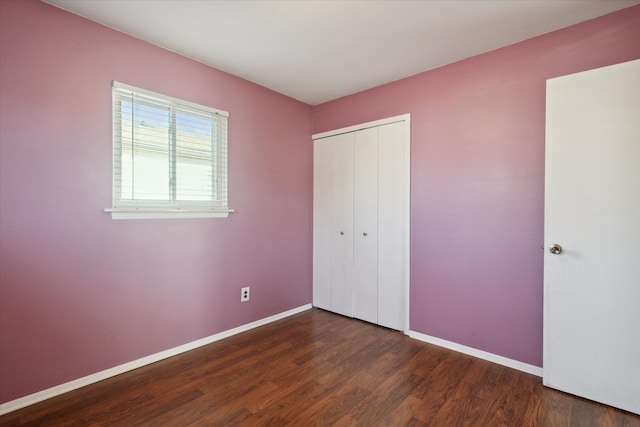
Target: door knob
{"x": 555, "y": 249}
{"x": 342, "y": 233}
{"x": 364, "y": 234}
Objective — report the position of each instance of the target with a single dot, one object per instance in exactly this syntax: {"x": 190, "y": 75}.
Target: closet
{"x": 361, "y": 222}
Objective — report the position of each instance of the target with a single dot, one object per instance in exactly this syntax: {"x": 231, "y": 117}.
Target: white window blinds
{"x": 168, "y": 154}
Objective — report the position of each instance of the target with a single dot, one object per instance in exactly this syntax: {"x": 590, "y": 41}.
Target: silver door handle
{"x": 364, "y": 234}
{"x": 342, "y": 233}
{"x": 555, "y": 249}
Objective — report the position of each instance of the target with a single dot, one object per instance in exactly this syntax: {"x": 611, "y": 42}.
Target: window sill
{"x": 167, "y": 213}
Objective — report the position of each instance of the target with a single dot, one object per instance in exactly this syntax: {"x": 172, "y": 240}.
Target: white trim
{"x": 394, "y": 119}
{"x": 500, "y": 360}
{"x": 121, "y": 213}
{"x": 135, "y": 364}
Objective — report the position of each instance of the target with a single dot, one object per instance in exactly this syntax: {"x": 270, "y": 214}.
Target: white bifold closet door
{"x": 342, "y": 222}
{"x": 393, "y": 226}
{"x": 333, "y": 224}
{"x": 361, "y": 215}
{"x": 365, "y": 199}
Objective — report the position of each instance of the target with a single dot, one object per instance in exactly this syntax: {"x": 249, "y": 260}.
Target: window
{"x": 169, "y": 157}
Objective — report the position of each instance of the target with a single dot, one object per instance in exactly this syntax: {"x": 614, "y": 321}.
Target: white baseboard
{"x": 117, "y": 370}
{"x": 500, "y": 360}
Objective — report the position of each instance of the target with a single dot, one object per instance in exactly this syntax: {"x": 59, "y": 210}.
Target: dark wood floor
{"x": 320, "y": 369}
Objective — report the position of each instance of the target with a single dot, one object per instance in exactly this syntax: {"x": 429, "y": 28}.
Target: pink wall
{"x": 477, "y": 179}
{"x": 79, "y": 292}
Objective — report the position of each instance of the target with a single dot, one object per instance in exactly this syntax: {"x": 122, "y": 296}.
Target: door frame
{"x": 406, "y": 120}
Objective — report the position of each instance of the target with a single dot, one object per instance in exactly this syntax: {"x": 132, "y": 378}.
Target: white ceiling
{"x": 319, "y": 50}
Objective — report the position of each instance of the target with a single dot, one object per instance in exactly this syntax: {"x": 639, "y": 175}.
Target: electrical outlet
{"x": 244, "y": 294}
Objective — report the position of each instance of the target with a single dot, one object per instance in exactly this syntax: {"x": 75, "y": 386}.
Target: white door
{"x": 361, "y": 221}
{"x": 393, "y": 235}
{"x": 342, "y": 225}
{"x": 592, "y": 211}
{"x": 322, "y": 223}
{"x": 333, "y": 224}
{"x": 365, "y": 255}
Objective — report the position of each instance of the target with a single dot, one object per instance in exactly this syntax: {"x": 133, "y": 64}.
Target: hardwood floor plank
{"x": 320, "y": 369}
{"x": 532, "y": 413}
{"x": 464, "y": 404}
{"x": 440, "y": 385}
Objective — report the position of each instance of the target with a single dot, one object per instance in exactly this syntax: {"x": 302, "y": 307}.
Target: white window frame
{"x": 158, "y": 209}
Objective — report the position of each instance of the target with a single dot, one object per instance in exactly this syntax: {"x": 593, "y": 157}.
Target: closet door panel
{"x": 365, "y": 291}
{"x": 392, "y": 213}
{"x": 322, "y": 223}
{"x": 342, "y": 224}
